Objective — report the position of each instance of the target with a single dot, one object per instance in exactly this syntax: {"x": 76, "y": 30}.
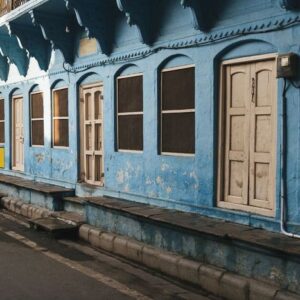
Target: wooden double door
{"x": 248, "y": 136}
{"x": 91, "y": 134}
{"x": 17, "y": 134}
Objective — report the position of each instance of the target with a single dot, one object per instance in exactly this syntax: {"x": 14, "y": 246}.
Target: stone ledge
{"x": 192, "y": 222}
{"x": 215, "y": 280}
{"x": 76, "y": 200}
{"x": 34, "y": 185}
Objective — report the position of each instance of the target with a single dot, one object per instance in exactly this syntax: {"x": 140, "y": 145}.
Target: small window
{"x": 2, "y": 124}
{"x": 130, "y": 112}
{"x": 60, "y": 118}
{"x": 37, "y": 119}
{"x": 178, "y": 111}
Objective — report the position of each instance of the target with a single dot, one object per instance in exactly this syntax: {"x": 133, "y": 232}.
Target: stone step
{"x": 69, "y": 217}
{"x": 74, "y": 204}
{"x": 55, "y": 227}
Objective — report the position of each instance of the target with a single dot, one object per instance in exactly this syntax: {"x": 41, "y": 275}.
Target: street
{"x": 36, "y": 266}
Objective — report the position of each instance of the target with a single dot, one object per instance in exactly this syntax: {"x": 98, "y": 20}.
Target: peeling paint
{"x": 120, "y": 176}
{"x": 39, "y": 157}
{"x": 159, "y": 180}
{"x": 169, "y": 190}
{"x": 149, "y": 181}
{"x": 164, "y": 167}
{"x": 126, "y": 188}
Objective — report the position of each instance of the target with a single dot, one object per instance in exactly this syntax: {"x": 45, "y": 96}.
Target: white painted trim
{"x": 131, "y": 113}
{"x": 178, "y": 111}
{"x": 178, "y": 154}
{"x": 130, "y": 151}
{"x": 130, "y": 75}
{"x": 178, "y": 68}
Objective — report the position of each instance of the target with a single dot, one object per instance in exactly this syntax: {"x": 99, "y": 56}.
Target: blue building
{"x": 182, "y": 104}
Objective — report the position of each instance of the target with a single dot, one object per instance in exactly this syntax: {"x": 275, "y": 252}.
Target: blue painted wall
{"x": 185, "y": 183}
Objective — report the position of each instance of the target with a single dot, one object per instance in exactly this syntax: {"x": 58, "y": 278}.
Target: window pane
{"x": 37, "y": 109}
{"x": 130, "y": 94}
{"x": 88, "y": 137}
{"x": 178, "y": 89}
{"x": 98, "y": 137}
{"x": 88, "y": 106}
{"x": 1, "y": 109}
{"x": 60, "y": 105}
{"x": 61, "y": 133}
{"x": 178, "y": 133}
{"x": 2, "y": 139}
{"x": 37, "y": 132}
{"x": 98, "y": 168}
{"x": 131, "y": 132}
{"x": 89, "y": 167}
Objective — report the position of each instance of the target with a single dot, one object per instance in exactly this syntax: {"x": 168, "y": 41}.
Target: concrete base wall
{"x": 32, "y": 197}
{"x": 237, "y": 257}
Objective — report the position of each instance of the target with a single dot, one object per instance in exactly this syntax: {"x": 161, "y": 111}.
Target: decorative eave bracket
{"x": 140, "y": 13}
{"x": 31, "y": 39}
{"x": 100, "y": 27}
{"x": 59, "y": 30}
{"x": 204, "y": 12}
{"x": 290, "y": 4}
{"x": 4, "y": 67}
{"x": 10, "y": 48}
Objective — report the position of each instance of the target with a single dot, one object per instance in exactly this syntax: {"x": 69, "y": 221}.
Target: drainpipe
{"x": 283, "y": 167}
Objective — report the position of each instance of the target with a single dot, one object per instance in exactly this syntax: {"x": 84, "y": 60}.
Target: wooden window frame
{"x": 36, "y": 119}
{"x": 59, "y": 118}
{"x": 3, "y": 121}
{"x": 127, "y": 114}
{"x": 175, "y": 111}
{"x": 221, "y": 138}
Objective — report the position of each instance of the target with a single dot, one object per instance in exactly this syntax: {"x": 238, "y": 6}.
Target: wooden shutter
{"x": 262, "y": 135}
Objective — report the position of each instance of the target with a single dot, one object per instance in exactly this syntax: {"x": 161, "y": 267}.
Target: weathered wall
{"x": 186, "y": 183}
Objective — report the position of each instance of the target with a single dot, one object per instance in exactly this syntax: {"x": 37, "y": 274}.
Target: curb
{"x": 26, "y": 210}
{"x": 215, "y": 280}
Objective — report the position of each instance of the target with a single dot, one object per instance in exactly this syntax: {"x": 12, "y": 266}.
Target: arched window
{"x": 177, "y": 110}
{"x": 130, "y": 112}
{"x": 60, "y": 117}
{"x": 37, "y": 117}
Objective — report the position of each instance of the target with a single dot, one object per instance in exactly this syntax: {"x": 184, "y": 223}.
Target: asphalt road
{"x": 34, "y": 266}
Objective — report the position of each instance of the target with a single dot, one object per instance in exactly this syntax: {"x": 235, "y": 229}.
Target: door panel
{"x": 17, "y": 134}
{"x": 262, "y": 160}
{"x": 92, "y": 169}
{"x": 236, "y": 164}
